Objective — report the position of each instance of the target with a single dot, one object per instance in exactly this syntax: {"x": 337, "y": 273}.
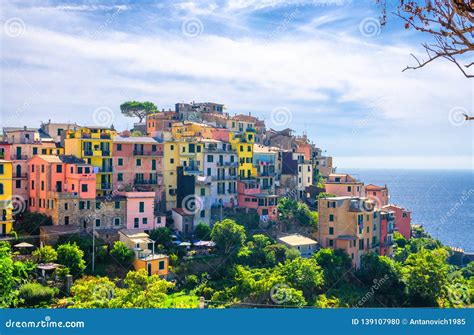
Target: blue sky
{"x": 326, "y": 66}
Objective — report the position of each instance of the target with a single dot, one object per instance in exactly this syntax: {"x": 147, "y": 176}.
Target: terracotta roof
{"x": 372, "y": 187}
{"x": 246, "y": 118}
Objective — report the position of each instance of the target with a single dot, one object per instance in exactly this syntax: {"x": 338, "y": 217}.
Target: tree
{"x": 448, "y": 22}
{"x": 335, "y": 263}
{"x": 203, "y": 231}
{"x": 228, "y": 236}
{"x": 122, "y": 254}
{"x": 45, "y": 254}
{"x": 7, "y": 280}
{"x": 254, "y": 253}
{"x": 468, "y": 271}
{"x": 93, "y": 292}
{"x": 162, "y": 236}
{"x": 303, "y": 274}
{"x": 71, "y": 256}
{"x": 426, "y": 276}
{"x": 30, "y": 222}
{"x": 138, "y": 109}
{"x": 36, "y": 295}
{"x": 292, "y": 211}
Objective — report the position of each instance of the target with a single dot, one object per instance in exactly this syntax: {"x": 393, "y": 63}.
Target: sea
{"x": 442, "y": 201}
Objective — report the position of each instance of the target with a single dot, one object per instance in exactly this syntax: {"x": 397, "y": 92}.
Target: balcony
{"x": 105, "y": 136}
{"x": 147, "y": 153}
{"x": 105, "y": 186}
{"x": 106, "y": 169}
{"x": 105, "y": 153}
{"x": 19, "y": 157}
{"x": 20, "y": 175}
{"x": 88, "y": 153}
{"x": 192, "y": 169}
{"x": 145, "y": 182}
{"x": 227, "y": 177}
{"x": 228, "y": 164}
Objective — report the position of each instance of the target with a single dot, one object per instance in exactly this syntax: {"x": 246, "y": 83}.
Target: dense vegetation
{"x": 246, "y": 269}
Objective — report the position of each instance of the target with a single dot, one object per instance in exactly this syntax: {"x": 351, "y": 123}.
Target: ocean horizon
{"x": 442, "y": 201}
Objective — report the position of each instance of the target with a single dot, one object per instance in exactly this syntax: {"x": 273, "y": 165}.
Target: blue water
{"x": 440, "y": 200}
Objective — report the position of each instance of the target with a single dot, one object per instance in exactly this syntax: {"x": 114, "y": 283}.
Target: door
{"x": 18, "y": 171}
{"x": 18, "y": 152}
{"x": 149, "y": 269}
{"x": 4, "y": 229}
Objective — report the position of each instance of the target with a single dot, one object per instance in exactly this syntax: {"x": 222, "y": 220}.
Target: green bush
{"x": 36, "y": 295}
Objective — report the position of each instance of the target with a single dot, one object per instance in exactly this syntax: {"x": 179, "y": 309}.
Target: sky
{"x": 323, "y": 67}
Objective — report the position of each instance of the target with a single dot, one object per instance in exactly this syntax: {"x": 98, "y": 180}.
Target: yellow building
{"x": 348, "y": 223}
{"x": 6, "y": 206}
{"x": 94, "y": 145}
{"x": 191, "y": 129}
{"x": 145, "y": 258}
{"x": 243, "y": 143}
{"x": 184, "y": 154}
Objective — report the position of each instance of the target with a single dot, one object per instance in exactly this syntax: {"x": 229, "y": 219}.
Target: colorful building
{"x": 144, "y": 249}
{"x": 267, "y": 162}
{"x": 347, "y": 223}
{"x": 344, "y": 185}
{"x": 251, "y": 196}
{"x": 95, "y": 146}
{"x": 62, "y": 187}
{"x": 138, "y": 165}
{"x": 387, "y": 219}
{"x": 6, "y": 206}
{"x": 242, "y": 144}
{"x": 140, "y": 209}
{"x": 402, "y": 219}
{"x": 378, "y": 194}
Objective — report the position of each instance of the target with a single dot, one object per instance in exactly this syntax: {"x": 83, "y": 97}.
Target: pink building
{"x": 138, "y": 165}
{"x": 140, "y": 209}
{"x": 344, "y": 185}
{"x": 378, "y": 194}
{"x": 20, "y": 144}
{"x": 220, "y": 134}
{"x": 386, "y": 232}
{"x": 402, "y": 220}
{"x": 56, "y": 180}
{"x": 250, "y": 196}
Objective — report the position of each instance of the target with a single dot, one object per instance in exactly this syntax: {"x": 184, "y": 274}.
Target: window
{"x": 153, "y": 164}
{"x": 120, "y": 162}
{"x": 368, "y": 229}
{"x": 161, "y": 265}
{"x": 139, "y": 162}
{"x": 66, "y": 220}
{"x": 59, "y": 168}
{"x": 97, "y": 205}
{"x": 42, "y": 185}
{"x": 361, "y": 244}
{"x": 141, "y": 207}
{"x": 1, "y": 188}
{"x": 203, "y": 213}
{"x": 210, "y": 158}
{"x": 120, "y": 176}
{"x": 349, "y": 189}
{"x": 331, "y": 243}
{"x": 32, "y": 168}
{"x": 42, "y": 168}
{"x": 119, "y": 147}
{"x": 32, "y": 184}
{"x": 66, "y": 206}
{"x": 171, "y": 160}
{"x": 203, "y": 191}
{"x": 136, "y": 222}
{"x": 153, "y": 147}
{"x": 331, "y": 230}
{"x": 171, "y": 147}
{"x": 144, "y": 221}
{"x": 18, "y": 184}
{"x": 35, "y": 151}
{"x": 84, "y": 188}
{"x": 117, "y": 221}
{"x": 81, "y": 204}
{"x": 404, "y": 215}
{"x": 117, "y": 204}
{"x": 97, "y": 222}
{"x": 331, "y": 217}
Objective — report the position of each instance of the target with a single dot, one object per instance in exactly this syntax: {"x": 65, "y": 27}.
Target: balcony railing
{"x": 20, "y": 175}
{"x": 227, "y": 177}
{"x": 105, "y": 152}
{"x": 106, "y": 169}
{"x": 147, "y": 153}
{"x": 228, "y": 164}
{"x": 19, "y": 157}
{"x": 146, "y": 182}
{"x": 105, "y": 137}
{"x": 105, "y": 186}
{"x": 88, "y": 153}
